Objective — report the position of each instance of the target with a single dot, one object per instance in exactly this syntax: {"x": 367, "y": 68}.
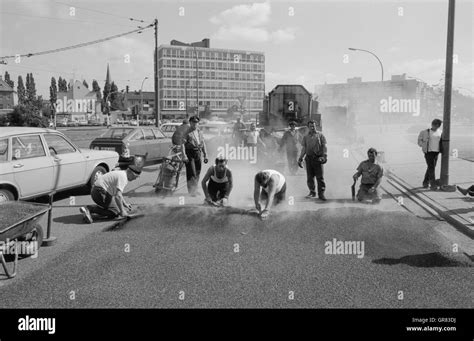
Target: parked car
{"x": 169, "y": 128}
{"x": 37, "y": 161}
{"x": 72, "y": 124}
{"x": 130, "y": 142}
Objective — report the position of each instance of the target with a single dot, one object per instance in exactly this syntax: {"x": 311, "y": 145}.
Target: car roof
{"x": 7, "y": 131}
{"x": 172, "y": 124}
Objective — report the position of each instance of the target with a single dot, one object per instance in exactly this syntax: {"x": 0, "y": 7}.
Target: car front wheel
{"x": 98, "y": 171}
{"x": 6, "y": 195}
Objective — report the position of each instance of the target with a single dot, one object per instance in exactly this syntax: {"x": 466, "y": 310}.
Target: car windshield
{"x": 117, "y": 133}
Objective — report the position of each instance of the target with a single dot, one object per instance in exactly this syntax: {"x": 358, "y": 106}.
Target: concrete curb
{"x": 428, "y": 204}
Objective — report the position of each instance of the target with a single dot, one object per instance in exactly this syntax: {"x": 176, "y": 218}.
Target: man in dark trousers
{"x": 430, "y": 142}
{"x": 107, "y": 193}
{"x": 372, "y": 174}
{"x": 238, "y": 133}
{"x": 314, "y": 148}
{"x": 195, "y": 149}
{"x": 217, "y": 183}
{"x": 291, "y": 138}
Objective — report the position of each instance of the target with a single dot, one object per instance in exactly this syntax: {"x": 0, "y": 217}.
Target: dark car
{"x": 130, "y": 142}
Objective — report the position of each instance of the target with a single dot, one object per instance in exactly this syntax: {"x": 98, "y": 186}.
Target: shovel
{"x": 353, "y": 190}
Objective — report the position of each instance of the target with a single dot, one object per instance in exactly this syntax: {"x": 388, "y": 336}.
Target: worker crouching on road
{"x": 314, "y": 148}
{"x": 195, "y": 149}
{"x": 107, "y": 193}
{"x": 270, "y": 187}
{"x": 217, "y": 183}
{"x": 372, "y": 174}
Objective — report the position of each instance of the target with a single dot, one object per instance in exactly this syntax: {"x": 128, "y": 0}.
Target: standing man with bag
{"x": 314, "y": 148}
{"x": 195, "y": 148}
{"x": 430, "y": 142}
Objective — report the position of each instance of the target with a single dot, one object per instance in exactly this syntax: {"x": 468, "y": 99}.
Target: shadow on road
{"x": 427, "y": 260}
{"x": 70, "y": 219}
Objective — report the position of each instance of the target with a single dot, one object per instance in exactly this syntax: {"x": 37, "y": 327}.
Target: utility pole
{"x": 197, "y": 81}
{"x": 157, "y": 104}
{"x": 448, "y": 82}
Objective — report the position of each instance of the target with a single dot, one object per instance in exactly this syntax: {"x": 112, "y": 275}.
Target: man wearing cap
{"x": 291, "y": 138}
{"x": 217, "y": 183}
{"x": 107, "y": 193}
{"x": 314, "y": 148}
{"x": 195, "y": 149}
{"x": 372, "y": 174}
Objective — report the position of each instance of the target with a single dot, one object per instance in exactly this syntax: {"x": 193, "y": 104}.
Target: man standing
{"x": 218, "y": 189}
{"x": 291, "y": 138}
{"x": 273, "y": 188}
{"x": 107, "y": 193}
{"x": 430, "y": 142}
{"x": 372, "y": 174}
{"x": 195, "y": 148}
{"x": 238, "y": 133}
{"x": 314, "y": 148}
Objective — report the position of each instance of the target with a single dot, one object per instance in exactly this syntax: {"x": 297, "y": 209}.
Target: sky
{"x": 305, "y": 42}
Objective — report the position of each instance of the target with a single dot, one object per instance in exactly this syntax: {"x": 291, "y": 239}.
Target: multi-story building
{"x": 134, "y": 100}
{"x": 8, "y": 97}
{"x": 227, "y": 79}
{"x": 393, "y": 101}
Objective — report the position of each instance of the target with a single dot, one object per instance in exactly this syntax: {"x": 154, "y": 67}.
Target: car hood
{"x": 99, "y": 154}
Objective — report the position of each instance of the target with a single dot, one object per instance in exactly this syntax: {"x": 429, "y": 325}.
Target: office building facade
{"x": 228, "y": 80}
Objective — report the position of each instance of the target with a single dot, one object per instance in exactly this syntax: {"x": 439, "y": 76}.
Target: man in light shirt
{"x": 195, "y": 148}
{"x": 107, "y": 193}
{"x": 430, "y": 142}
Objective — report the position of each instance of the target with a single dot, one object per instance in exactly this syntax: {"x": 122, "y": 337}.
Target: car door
{"x": 33, "y": 168}
{"x": 136, "y": 143}
{"x": 162, "y": 143}
{"x": 69, "y": 163}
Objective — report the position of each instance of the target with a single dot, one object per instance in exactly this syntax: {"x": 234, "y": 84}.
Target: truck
{"x": 288, "y": 102}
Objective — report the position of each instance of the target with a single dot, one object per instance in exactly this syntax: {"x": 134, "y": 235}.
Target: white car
{"x": 38, "y": 161}
{"x": 168, "y": 129}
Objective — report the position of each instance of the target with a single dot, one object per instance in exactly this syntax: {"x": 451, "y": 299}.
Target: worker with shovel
{"x": 372, "y": 174}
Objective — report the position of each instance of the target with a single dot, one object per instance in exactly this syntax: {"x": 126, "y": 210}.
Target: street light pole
{"x": 373, "y": 54}
{"x": 197, "y": 81}
{"x": 381, "y": 67}
{"x": 448, "y": 82}
{"x": 141, "y": 102}
{"x": 186, "y": 96}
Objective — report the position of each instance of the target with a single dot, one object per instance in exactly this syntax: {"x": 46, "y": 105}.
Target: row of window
{"x": 222, "y": 105}
{"x": 210, "y": 94}
{"x": 191, "y": 64}
{"x": 211, "y": 55}
{"x": 182, "y": 85}
{"x": 167, "y": 73}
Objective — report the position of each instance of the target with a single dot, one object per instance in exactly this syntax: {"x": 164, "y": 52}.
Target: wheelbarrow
{"x": 170, "y": 171}
{"x": 19, "y": 227}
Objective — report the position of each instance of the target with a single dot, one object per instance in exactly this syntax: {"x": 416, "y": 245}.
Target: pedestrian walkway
{"x": 404, "y": 163}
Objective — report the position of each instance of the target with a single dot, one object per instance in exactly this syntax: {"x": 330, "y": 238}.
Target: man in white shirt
{"x": 430, "y": 142}
{"x": 107, "y": 193}
{"x": 270, "y": 187}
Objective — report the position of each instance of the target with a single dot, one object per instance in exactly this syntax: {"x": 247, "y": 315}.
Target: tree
{"x": 8, "y": 80}
{"x": 84, "y": 82}
{"x": 107, "y": 90}
{"x": 96, "y": 89}
{"x": 21, "y": 91}
{"x": 53, "y": 95}
{"x": 62, "y": 85}
{"x": 30, "y": 88}
{"x": 23, "y": 116}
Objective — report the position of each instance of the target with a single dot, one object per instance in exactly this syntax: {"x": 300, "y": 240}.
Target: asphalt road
{"x": 185, "y": 255}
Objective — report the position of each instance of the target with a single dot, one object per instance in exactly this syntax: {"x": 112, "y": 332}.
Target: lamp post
{"x": 381, "y": 67}
{"x": 186, "y": 96}
{"x": 141, "y": 102}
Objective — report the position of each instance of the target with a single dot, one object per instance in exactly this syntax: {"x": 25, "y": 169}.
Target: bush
{"x": 26, "y": 116}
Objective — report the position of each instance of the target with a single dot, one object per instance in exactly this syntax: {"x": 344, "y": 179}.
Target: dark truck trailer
{"x": 289, "y": 102}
